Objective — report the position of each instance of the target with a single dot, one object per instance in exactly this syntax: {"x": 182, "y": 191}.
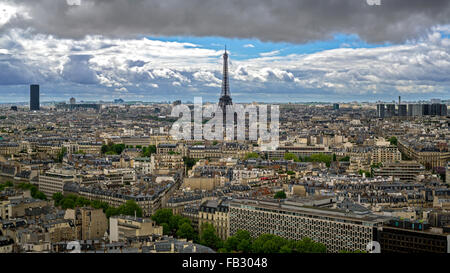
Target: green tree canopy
{"x": 208, "y": 236}
{"x": 280, "y": 195}
{"x": 186, "y": 231}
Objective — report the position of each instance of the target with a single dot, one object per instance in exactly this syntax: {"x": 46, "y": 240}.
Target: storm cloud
{"x": 294, "y": 21}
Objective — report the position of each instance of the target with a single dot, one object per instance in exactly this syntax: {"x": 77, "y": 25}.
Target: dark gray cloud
{"x": 13, "y": 71}
{"x": 77, "y": 70}
{"x": 284, "y": 20}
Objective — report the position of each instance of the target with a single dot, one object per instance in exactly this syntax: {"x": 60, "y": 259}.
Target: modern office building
{"x": 438, "y": 109}
{"x": 415, "y": 110}
{"x": 411, "y": 110}
{"x": 53, "y": 181}
{"x": 337, "y": 229}
{"x": 336, "y": 106}
{"x": 405, "y": 236}
{"x": 381, "y": 110}
{"x": 402, "y": 110}
{"x": 390, "y": 110}
{"x": 406, "y": 171}
{"x": 34, "y": 97}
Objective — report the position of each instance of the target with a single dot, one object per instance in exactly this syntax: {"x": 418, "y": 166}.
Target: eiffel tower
{"x": 225, "y": 96}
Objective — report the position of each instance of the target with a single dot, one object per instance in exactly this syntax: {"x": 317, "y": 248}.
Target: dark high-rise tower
{"x": 225, "y": 96}
{"x": 34, "y": 97}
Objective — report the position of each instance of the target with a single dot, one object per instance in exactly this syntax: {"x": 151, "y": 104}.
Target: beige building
{"x": 201, "y": 183}
{"x": 53, "y": 180}
{"x": 385, "y": 155}
{"x": 122, "y": 227}
{"x": 215, "y": 212}
{"x": 90, "y": 223}
{"x": 15, "y": 207}
{"x": 165, "y": 163}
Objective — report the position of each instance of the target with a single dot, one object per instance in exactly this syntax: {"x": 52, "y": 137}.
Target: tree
{"x": 130, "y": 208}
{"x": 251, "y": 155}
{"x": 291, "y": 156}
{"x": 68, "y": 204}
{"x": 346, "y": 158}
{"x": 208, "y": 236}
{"x": 61, "y": 154}
{"x": 393, "y": 140}
{"x": 57, "y": 197}
{"x": 111, "y": 211}
{"x": 186, "y": 231}
{"x": 306, "y": 245}
{"x": 189, "y": 162}
{"x": 166, "y": 229}
{"x": 280, "y": 195}
{"x": 162, "y": 216}
{"x": 268, "y": 243}
{"x": 334, "y": 157}
{"x": 241, "y": 241}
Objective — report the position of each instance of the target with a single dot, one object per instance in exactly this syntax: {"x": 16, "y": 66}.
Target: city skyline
{"x": 322, "y": 62}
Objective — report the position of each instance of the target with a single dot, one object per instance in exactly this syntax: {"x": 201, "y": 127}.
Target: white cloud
{"x": 271, "y": 53}
{"x": 134, "y": 65}
{"x": 249, "y": 46}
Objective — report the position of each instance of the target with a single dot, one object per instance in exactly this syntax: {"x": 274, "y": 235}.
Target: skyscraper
{"x": 381, "y": 110}
{"x": 34, "y": 97}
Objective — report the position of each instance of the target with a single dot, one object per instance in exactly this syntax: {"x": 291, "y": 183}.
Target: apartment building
{"x": 90, "y": 223}
{"x": 165, "y": 163}
{"x": 215, "y": 212}
{"x": 385, "y": 155}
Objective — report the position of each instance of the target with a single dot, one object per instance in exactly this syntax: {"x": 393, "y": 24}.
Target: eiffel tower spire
{"x": 225, "y": 96}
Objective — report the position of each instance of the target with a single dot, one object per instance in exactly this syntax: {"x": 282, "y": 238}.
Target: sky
{"x": 280, "y": 51}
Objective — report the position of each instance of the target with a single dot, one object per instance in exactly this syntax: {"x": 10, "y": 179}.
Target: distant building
{"x": 73, "y": 101}
{"x": 34, "y": 97}
{"x": 390, "y": 110}
{"x": 415, "y": 110}
{"x": 336, "y": 106}
{"x": 402, "y": 110}
{"x": 14, "y": 108}
{"x": 381, "y": 110}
